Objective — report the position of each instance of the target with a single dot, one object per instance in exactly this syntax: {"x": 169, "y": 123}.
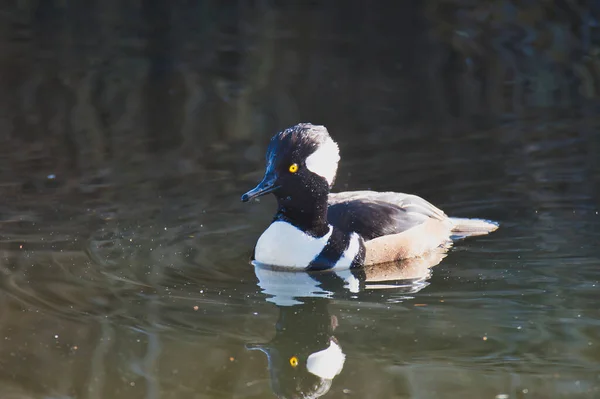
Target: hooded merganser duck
{"x": 315, "y": 229}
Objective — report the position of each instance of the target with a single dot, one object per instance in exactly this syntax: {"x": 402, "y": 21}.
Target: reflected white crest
{"x": 326, "y": 363}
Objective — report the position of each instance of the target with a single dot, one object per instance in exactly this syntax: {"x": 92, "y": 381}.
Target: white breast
{"x": 283, "y": 244}
{"x": 290, "y": 287}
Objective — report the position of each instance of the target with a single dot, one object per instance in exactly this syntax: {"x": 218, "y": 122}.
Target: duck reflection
{"x": 285, "y": 288}
{"x": 304, "y": 356}
{"x": 303, "y": 361}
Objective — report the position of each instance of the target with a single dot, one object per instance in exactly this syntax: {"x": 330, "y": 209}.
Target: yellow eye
{"x": 293, "y": 168}
{"x": 293, "y": 361}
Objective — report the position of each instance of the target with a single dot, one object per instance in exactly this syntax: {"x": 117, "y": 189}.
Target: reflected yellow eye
{"x": 293, "y": 168}
{"x": 293, "y": 359}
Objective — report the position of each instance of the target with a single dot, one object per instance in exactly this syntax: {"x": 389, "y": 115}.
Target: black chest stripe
{"x": 328, "y": 280}
{"x": 335, "y": 247}
{"x": 331, "y": 281}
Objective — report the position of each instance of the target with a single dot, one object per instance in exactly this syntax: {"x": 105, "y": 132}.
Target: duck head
{"x": 302, "y": 163}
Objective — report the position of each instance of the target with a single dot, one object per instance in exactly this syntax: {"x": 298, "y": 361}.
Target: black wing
{"x": 372, "y": 214}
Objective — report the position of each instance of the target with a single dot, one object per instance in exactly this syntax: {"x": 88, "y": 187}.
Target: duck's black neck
{"x": 307, "y": 214}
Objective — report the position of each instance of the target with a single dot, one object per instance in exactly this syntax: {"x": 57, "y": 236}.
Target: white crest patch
{"x": 324, "y": 161}
{"x": 283, "y": 244}
{"x": 326, "y": 363}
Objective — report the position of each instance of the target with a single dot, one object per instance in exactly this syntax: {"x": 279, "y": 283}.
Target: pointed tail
{"x": 463, "y": 227}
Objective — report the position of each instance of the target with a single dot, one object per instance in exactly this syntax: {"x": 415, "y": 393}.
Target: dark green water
{"x": 100, "y": 302}
{"x": 129, "y": 130}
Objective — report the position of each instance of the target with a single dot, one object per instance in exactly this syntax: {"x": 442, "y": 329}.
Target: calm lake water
{"x": 100, "y": 302}
{"x": 129, "y": 131}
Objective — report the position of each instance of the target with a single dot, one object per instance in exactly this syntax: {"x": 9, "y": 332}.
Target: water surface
{"x": 155, "y": 298}
{"x": 129, "y": 131}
